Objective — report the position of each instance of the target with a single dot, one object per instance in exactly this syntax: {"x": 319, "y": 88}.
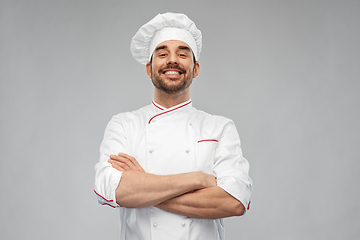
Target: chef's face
{"x": 172, "y": 67}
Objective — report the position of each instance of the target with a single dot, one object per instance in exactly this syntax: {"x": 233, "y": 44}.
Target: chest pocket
{"x": 205, "y": 155}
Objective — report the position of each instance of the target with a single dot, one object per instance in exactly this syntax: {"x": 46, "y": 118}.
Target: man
{"x": 173, "y": 171}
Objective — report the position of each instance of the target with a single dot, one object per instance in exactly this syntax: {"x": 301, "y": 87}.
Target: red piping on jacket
{"x": 157, "y": 106}
{"x": 103, "y": 197}
{"x": 169, "y": 111}
{"x": 108, "y": 205}
{"x": 208, "y": 140}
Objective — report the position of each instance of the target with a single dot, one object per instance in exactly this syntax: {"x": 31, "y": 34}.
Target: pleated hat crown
{"x": 164, "y": 27}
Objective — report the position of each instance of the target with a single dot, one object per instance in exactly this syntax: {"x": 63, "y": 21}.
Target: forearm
{"x": 140, "y": 189}
{"x": 211, "y": 202}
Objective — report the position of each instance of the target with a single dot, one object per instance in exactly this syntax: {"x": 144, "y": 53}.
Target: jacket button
{"x": 155, "y": 224}
{"x": 183, "y": 224}
{"x": 187, "y": 150}
{"x": 151, "y": 151}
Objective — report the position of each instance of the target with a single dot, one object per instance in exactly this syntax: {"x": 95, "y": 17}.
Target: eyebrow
{"x": 164, "y": 47}
{"x": 160, "y": 47}
{"x": 184, "y": 48}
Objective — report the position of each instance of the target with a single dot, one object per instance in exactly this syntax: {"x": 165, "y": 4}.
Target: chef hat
{"x": 164, "y": 27}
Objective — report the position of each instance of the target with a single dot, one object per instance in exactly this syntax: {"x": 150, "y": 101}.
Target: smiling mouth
{"x": 172, "y": 73}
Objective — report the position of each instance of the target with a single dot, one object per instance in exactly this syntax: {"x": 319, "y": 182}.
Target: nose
{"x": 173, "y": 59}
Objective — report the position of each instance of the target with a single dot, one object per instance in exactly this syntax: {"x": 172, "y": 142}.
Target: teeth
{"x": 172, "y": 73}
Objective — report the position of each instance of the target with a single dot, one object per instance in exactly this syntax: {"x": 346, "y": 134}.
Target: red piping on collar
{"x": 169, "y": 111}
{"x": 157, "y": 106}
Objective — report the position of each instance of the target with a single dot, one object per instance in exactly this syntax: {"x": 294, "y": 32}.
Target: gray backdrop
{"x": 287, "y": 72}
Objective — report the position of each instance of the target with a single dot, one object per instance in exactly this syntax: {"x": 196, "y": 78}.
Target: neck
{"x": 170, "y": 100}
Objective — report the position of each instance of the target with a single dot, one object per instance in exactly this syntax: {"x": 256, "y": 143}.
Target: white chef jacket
{"x": 170, "y": 141}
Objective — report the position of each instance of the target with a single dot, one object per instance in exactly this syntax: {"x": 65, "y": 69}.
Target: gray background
{"x": 287, "y": 72}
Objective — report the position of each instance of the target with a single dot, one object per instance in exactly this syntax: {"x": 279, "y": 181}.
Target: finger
{"x": 133, "y": 160}
{"x": 119, "y": 165}
{"x": 130, "y": 161}
{"x": 119, "y": 168}
{"x": 124, "y": 160}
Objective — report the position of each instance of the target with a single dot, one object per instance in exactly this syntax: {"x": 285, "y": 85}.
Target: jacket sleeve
{"x": 107, "y": 178}
{"x": 231, "y": 168}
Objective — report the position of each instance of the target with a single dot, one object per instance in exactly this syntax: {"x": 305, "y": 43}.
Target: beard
{"x": 169, "y": 86}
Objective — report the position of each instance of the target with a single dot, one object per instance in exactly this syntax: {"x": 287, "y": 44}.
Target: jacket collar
{"x": 161, "y": 111}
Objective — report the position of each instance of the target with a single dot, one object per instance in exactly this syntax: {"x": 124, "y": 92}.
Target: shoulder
{"x": 130, "y": 118}
{"x": 132, "y": 115}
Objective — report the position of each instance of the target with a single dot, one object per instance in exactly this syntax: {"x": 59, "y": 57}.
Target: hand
{"x": 124, "y": 162}
{"x": 208, "y": 180}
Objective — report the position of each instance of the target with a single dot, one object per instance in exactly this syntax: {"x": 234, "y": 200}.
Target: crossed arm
{"x": 192, "y": 194}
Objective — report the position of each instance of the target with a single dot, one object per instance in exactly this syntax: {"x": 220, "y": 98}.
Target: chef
{"x": 173, "y": 171}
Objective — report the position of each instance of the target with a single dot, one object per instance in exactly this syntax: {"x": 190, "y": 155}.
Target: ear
{"x": 196, "y": 69}
{"x": 148, "y": 69}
